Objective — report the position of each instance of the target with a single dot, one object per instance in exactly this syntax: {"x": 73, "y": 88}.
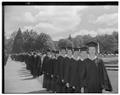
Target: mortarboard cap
{"x": 63, "y": 48}
{"x": 48, "y": 50}
{"x": 92, "y": 44}
{"x": 76, "y": 49}
{"x": 83, "y": 48}
{"x": 53, "y": 51}
{"x": 69, "y": 48}
{"x": 57, "y": 51}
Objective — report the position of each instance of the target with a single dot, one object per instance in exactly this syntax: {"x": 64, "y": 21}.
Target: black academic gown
{"x": 28, "y": 61}
{"x": 63, "y": 69}
{"x": 44, "y": 64}
{"x": 53, "y": 77}
{"x": 66, "y": 71}
{"x": 57, "y": 75}
{"x": 31, "y": 63}
{"x": 67, "y": 75}
{"x": 96, "y": 77}
{"x": 74, "y": 74}
{"x": 35, "y": 63}
{"x": 38, "y": 66}
{"x": 50, "y": 72}
{"x": 61, "y": 62}
{"x": 80, "y": 75}
{"x": 45, "y": 71}
{"x": 56, "y": 68}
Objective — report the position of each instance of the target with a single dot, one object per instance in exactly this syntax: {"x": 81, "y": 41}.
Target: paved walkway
{"x": 19, "y": 80}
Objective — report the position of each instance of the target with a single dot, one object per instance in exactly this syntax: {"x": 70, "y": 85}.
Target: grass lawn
{"x": 113, "y": 75}
{"x": 112, "y": 62}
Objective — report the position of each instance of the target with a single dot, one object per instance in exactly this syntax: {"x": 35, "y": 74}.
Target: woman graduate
{"x": 96, "y": 75}
{"x": 45, "y": 68}
{"x": 74, "y": 71}
{"x": 68, "y": 71}
{"x": 60, "y": 71}
{"x": 83, "y": 55}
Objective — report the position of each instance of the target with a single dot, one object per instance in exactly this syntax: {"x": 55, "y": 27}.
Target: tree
{"x": 50, "y": 45}
{"x": 108, "y": 43}
{"x": 56, "y": 45}
{"x": 33, "y": 34}
{"x": 78, "y": 41}
{"x": 115, "y": 35}
{"x": 87, "y": 38}
{"x": 44, "y": 42}
{"x": 18, "y": 43}
{"x": 115, "y": 40}
{"x": 29, "y": 40}
{"x": 8, "y": 44}
{"x": 26, "y": 35}
{"x": 70, "y": 38}
{"x": 65, "y": 43}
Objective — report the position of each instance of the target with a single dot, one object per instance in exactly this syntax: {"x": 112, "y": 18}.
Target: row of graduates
{"x": 52, "y": 66}
{"x": 75, "y": 71}
{"x": 68, "y": 70}
{"x": 61, "y": 71}
{"x": 32, "y": 60}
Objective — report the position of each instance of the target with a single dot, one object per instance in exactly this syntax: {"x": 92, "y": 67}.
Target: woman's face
{"x": 69, "y": 52}
{"x": 63, "y": 51}
{"x": 53, "y": 54}
{"x": 92, "y": 50}
{"x": 48, "y": 53}
{"x": 75, "y": 53}
{"x": 84, "y": 54}
{"x": 57, "y": 54}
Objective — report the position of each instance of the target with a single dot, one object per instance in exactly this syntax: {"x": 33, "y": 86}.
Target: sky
{"x": 61, "y": 21}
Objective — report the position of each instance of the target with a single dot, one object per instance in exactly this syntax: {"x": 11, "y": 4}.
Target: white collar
{"x": 65, "y": 55}
{"x": 92, "y": 58}
{"x": 76, "y": 58}
{"x": 69, "y": 56}
{"x": 81, "y": 59}
{"x": 72, "y": 56}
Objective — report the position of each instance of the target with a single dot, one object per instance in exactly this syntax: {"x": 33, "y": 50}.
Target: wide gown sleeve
{"x": 106, "y": 84}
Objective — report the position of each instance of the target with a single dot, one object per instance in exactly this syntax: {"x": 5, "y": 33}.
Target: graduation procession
{"x": 61, "y": 47}
{"x": 69, "y": 70}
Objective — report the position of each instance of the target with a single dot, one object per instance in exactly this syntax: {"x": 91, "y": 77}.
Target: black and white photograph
{"x": 60, "y": 47}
